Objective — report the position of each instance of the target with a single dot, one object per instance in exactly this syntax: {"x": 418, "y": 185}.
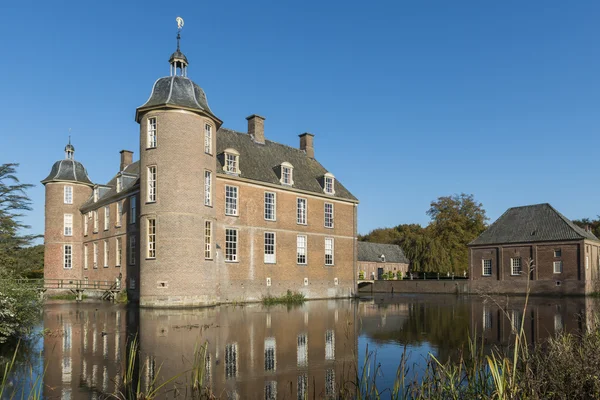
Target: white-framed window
{"x": 270, "y": 206}
{"x": 231, "y": 245}
{"x": 208, "y": 139}
{"x": 208, "y": 240}
{"x": 68, "y": 256}
{"x": 329, "y": 249}
{"x": 95, "y": 216}
{"x": 287, "y": 174}
{"x": 95, "y": 195}
{"x": 231, "y": 360}
{"x": 132, "y": 209}
{"x": 95, "y": 265}
{"x": 151, "y": 238}
{"x": 68, "y": 224}
{"x": 303, "y": 386}
{"x": 85, "y": 256}
{"x": 232, "y": 161}
{"x": 330, "y": 345}
{"x": 516, "y": 318}
{"x": 68, "y": 194}
{"x": 271, "y": 390}
{"x": 106, "y": 254}
{"x": 558, "y": 267}
{"x": 207, "y": 188}
{"x": 119, "y": 214}
{"x": 86, "y": 218}
{"x": 151, "y": 184}
{"x": 515, "y": 266}
{"x": 558, "y": 323}
{"x": 487, "y": 319}
{"x": 328, "y": 215}
{"x": 118, "y": 252}
{"x": 106, "y": 217}
{"x": 270, "y": 354}
{"x": 557, "y": 253}
{"x": 486, "y": 266}
{"x": 301, "y": 211}
{"x": 587, "y": 262}
{"x": 231, "y": 200}
{"x": 152, "y": 136}
{"x": 132, "y": 250}
{"x": 302, "y": 350}
{"x": 329, "y": 183}
{"x": 301, "y": 249}
{"x": 270, "y": 248}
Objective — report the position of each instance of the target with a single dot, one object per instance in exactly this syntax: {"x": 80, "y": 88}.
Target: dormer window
{"x": 95, "y": 195}
{"x": 232, "y": 161}
{"x": 329, "y": 183}
{"x": 382, "y": 258}
{"x": 287, "y": 174}
{"x": 119, "y": 184}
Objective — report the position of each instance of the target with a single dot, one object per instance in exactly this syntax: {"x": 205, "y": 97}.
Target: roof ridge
{"x": 266, "y": 140}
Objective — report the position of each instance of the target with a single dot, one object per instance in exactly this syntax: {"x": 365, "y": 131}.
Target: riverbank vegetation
{"x": 19, "y": 306}
{"x": 441, "y": 246}
{"x": 288, "y": 298}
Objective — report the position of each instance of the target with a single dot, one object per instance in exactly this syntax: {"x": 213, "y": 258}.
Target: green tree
{"x": 592, "y": 224}
{"x": 455, "y": 221}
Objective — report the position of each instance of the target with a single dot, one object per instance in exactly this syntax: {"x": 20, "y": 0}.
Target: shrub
{"x": 361, "y": 275}
{"x": 399, "y": 275}
{"x": 288, "y": 298}
{"x": 19, "y": 309}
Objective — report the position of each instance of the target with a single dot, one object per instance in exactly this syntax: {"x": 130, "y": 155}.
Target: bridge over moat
{"x": 107, "y": 289}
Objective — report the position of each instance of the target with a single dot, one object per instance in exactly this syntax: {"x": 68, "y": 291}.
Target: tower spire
{"x": 69, "y": 149}
{"x": 178, "y": 60}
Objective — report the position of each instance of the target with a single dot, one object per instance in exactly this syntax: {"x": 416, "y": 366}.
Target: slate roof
{"x": 372, "y": 252}
{"x": 68, "y": 171}
{"x": 176, "y": 91}
{"x": 262, "y": 162}
{"x": 534, "y": 223}
{"x": 107, "y": 193}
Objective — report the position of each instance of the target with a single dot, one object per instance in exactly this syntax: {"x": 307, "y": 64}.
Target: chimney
{"x": 256, "y": 128}
{"x": 306, "y": 144}
{"x": 126, "y": 159}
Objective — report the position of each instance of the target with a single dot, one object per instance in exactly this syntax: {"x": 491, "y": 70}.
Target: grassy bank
{"x": 288, "y": 298}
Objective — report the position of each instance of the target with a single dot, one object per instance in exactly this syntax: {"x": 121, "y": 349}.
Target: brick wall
{"x": 370, "y": 268}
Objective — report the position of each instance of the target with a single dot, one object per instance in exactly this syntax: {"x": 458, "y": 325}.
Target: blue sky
{"x": 408, "y": 100}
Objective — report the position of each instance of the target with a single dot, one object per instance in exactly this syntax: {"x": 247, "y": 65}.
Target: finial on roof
{"x": 178, "y": 60}
{"x": 69, "y": 149}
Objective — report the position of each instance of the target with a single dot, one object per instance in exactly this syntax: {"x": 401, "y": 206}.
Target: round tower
{"x": 177, "y": 185}
{"x": 67, "y": 188}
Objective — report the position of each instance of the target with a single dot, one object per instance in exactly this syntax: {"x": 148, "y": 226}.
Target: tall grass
{"x": 288, "y": 298}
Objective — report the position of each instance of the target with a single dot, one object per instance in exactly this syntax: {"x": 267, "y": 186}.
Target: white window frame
{"x": 270, "y": 354}
{"x": 587, "y": 262}
{"x": 301, "y": 211}
{"x": 152, "y": 133}
{"x": 330, "y": 345}
{"x": 270, "y": 206}
{"x": 119, "y": 214}
{"x": 515, "y": 263}
{"x": 329, "y": 183}
{"x": 106, "y": 254}
{"x": 328, "y": 216}
{"x": 106, "y": 217}
{"x": 132, "y": 250}
{"x": 231, "y": 360}
{"x": 231, "y": 162}
{"x": 270, "y": 248}
{"x": 483, "y": 267}
{"x": 231, "y": 200}
{"x": 208, "y": 240}
{"x": 118, "y": 252}
{"x": 85, "y": 256}
{"x": 96, "y": 222}
{"x": 557, "y": 253}
{"x": 151, "y": 239}
{"x": 287, "y": 174}
{"x": 301, "y": 249}
{"x": 208, "y": 139}
{"x": 68, "y": 194}
{"x": 95, "y": 195}
{"x": 302, "y": 350}
{"x": 95, "y": 263}
{"x": 132, "y": 209}
{"x": 151, "y": 187}
{"x": 329, "y": 251}
{"x": 558, "y": 264}
{"x": 86, "y": 223}
{"x": 68, "y": 224}
{"x": 487, "y": 319}
{"x": 207, "y": 188}
{"x": 231, "y": 246}
{"x": 67, "y": 256}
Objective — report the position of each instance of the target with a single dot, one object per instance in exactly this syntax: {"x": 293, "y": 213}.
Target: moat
{"x": 272, "y": 352}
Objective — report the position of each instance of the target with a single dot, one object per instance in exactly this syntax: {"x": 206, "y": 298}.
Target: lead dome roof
{"x": 68, "y": 171}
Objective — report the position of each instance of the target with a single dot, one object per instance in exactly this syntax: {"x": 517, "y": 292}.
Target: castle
{"x": 206, "y": 216}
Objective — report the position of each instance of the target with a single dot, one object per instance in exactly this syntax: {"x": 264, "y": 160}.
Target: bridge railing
{"x": 74, "y": 284}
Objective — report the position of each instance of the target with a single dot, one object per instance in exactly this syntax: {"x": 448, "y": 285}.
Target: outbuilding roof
{"x": 533, "y": 223}
{"x": 372, "y": 252}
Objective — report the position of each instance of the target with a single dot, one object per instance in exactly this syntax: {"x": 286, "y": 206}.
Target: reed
{"x": 290, "y": 298}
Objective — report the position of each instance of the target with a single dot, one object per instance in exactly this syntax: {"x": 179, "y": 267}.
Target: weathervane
{"x": 179, "y": 26}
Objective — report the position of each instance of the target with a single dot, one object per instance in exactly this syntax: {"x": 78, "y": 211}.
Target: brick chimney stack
{"x": 126, "y": 159}
{"x": 306, "y": 144}
{"x": 256, "y": 128}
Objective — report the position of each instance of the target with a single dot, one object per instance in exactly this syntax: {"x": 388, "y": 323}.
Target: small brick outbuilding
{"x": 377, "y": 259}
